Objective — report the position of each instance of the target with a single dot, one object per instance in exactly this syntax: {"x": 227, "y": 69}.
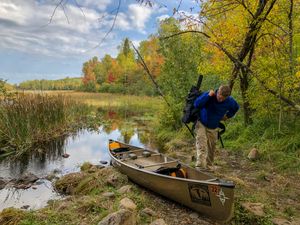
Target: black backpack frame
{"x": 190, "y": 113}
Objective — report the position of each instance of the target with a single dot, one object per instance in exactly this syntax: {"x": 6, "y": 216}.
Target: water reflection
{"x": 84, "y": 146}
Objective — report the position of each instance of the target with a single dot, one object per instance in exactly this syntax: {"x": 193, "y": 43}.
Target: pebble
{"x": 108, "y": 194}
{"x": 194, "y": 215}
{"x": 66, "y": 155}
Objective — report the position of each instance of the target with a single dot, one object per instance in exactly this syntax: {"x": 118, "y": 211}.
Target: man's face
{"x": 220, "y": 98}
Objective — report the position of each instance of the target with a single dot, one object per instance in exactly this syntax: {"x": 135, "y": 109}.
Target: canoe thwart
{"x": 157, "y": 164}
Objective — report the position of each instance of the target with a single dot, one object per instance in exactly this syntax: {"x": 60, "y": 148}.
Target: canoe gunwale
{"x": 208, "y": 182}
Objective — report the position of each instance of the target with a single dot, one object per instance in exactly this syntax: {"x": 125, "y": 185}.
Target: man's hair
{"x": 225, "y": 90}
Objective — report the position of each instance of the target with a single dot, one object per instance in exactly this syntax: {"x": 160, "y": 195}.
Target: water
{"x": 85, "y": 146}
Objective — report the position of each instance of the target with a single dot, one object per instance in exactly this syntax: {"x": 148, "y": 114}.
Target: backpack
{"x": 172, "y": 171}
{"x": 190, "y": 113}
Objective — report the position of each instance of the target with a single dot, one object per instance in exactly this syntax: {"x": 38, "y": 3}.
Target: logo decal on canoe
{"x": 222, "y": 197}
{"x": 199, "y": 194}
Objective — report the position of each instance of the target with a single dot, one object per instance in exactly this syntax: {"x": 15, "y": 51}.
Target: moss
{"x": 11, "y": 216}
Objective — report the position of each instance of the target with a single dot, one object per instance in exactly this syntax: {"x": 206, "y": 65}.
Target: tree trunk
{"x": 244, "y": 85}
{"x": 291, "y": 31}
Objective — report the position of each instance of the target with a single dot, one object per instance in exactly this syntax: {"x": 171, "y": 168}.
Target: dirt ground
{"x": 256, "y": 182}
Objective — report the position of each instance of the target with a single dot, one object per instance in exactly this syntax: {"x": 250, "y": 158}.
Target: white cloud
{"x": 162, "y": 17}
{"x": 100, "y": 5}
{"x": 139, "y": 15}
{"x": 24, "y": 26}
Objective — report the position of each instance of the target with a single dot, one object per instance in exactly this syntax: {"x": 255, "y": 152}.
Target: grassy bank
{"x": 107, "y": 100}
{"x": 29, "y": 120}
{"x": 88, "y": 202}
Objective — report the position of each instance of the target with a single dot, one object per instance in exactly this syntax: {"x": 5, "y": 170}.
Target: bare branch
{"x": 111, "y": 28}
{"x": 238, "y": 63}
{"x": 176, "y": 10}
{"x": 63, "y": 8}
{"x": 80, "y": 9}
{"x": 54, "y": 11}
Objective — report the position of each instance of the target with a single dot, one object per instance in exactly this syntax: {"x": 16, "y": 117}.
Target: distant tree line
{"x": 61, "y": 84}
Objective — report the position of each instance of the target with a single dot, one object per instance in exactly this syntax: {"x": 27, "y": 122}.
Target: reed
{"x": 29, "y": 119}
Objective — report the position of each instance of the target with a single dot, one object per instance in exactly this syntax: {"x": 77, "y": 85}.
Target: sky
{"x": 40, "y": 41}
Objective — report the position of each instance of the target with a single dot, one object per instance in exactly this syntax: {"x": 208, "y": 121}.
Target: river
{"x": 84, "y": 146}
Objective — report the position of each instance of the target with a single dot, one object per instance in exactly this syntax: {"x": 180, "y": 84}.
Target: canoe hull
{"x": 208, "y": 198}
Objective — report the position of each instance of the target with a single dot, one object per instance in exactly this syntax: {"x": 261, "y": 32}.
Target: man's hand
{"x": 211, "y": 93}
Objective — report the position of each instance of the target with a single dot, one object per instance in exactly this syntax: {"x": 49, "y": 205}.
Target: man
{"x": 214, "y": 107}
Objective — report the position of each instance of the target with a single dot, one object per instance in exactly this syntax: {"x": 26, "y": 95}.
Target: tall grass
{"x": 281, "y": 148}
{"x": 29, "y": 119}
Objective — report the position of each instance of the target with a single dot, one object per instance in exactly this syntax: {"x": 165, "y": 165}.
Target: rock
{"x": 148, "y": 212}
{"x": 295, "y": 221}
{"x": 25, "y": 207}
{"x": 2, "y": 184}
{"x": 194, "y": 215}
{"x": 112, "y": 180}
{"x": 280, "y": 221}
{"x": 93, "y": 169}
{"x": 100, "y": 167}
{"x": 55, "y": 171}
{"x": 65, "y": 155}
{"x": 103, "y": 162}
{"x": 27, "y": 178}
{"x": 51, "y": 177}
{"x": 158, "y": 222}
{"x": 127, "y": 203}
{"x": 22, "y": 186}
{"x": 125, "y": 189}
{"x": 253, "y": 154}
{"x": 108, "y": 194}
{"x": 255, "y": 208}
{"x": 121, "y": 217}
{"x": 34, "y": 187}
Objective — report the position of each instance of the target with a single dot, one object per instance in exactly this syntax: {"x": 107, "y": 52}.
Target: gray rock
{"x": 158, "y": 222}
{"x": 27, "y": 178}
{"x": 108, "y": 194}
{"x": 100, "y": 167}
{"x": 253, "y": 154}
{"x": 2, "y": 184}
{"x": 280, "y": 221}
{"x": 148, "y": 212}
{"x": 93, "y": 169}
{"x": 103, "y": 162}
{"x": 112, "y": 180}
{"x": 125, "y": 189}
{"x": 127, "y": 203}
{"x": 255, "y": 208}
{"x": 121, "y": 217}
{"x": 57, "y": 171}
{"x": 25, "y": 206}
{"x": 194, "y": 215}
{"x": 51, "y": 177}
{"x": 65, "y": 155}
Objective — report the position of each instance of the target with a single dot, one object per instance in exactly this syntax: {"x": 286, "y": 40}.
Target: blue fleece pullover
{"x": 212, "y": 111}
